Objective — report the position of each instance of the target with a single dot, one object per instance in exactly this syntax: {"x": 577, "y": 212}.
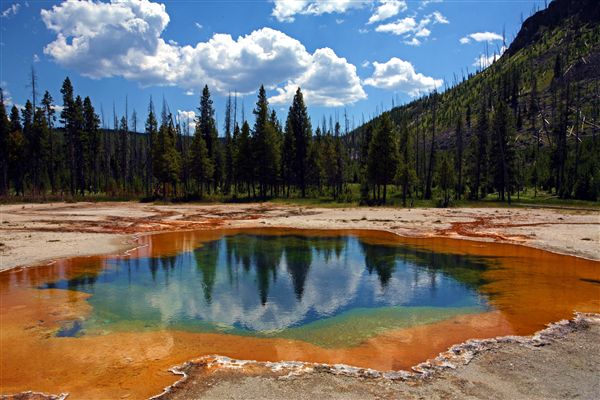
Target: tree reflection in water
{"x": 273, "y": 282}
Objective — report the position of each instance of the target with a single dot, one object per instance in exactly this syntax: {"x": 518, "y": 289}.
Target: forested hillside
{"x": 529, "y": 121}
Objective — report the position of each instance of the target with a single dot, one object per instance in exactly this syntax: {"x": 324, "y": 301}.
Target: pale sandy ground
{"x": 567, "y": 368}
{"x": 36, "y": 233}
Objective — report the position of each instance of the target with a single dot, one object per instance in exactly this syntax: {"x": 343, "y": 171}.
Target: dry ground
{"x": 566, "y": 368}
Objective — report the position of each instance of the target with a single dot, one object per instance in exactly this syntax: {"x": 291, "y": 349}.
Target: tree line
{"x": 500, "y": 144}
{"x": 256, "y": 159}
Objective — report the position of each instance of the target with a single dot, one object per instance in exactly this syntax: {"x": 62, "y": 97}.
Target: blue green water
{"x": 331, "y": 291}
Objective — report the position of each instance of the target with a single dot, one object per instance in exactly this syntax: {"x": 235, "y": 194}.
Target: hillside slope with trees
{"x": 530, "y": 120}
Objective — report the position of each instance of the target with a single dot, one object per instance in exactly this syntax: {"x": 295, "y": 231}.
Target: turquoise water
{"x": 331, "y": 291}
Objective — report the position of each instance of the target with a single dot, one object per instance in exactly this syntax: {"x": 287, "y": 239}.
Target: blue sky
{"x": 351, "y": 55}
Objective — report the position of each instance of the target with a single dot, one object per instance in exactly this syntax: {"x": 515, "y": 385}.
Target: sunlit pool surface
{"x": 112, "y": 327}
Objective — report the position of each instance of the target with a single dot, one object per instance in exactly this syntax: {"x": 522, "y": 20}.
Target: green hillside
{"x": 549, "y": 79}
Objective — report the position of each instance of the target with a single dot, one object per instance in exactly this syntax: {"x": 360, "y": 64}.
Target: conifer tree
{"x": 406, "y": 171}
{"x": 81, "y": 146}
{"x": 91, "y": 125}
{"x": 208, "y": 129}
{"x": 229, "y": 150}
{"x": 383, "y": 156}
{"x": 48, "y": 107}
{"x": 244, "y": 162}
{"x": 431, "y": 165}
{"x": 327, "y": 160}
{"x": 68, "y": 120}
{"x": 17, "y": 152}
{"x": 287, "y": 158}
{"x": 458, "y": 159}
{"x": 38, "y": 151}
{"x": 340, "y": 161}
{"x": 202, "y": 164}
{"x": 479, "y": 155}
{"x": 167, "y": 161}
{"x": 266, "y": 155}
{"x": 235, "y": 153}
{"x": 124, "y": 153}
{"x": 503, "y": 157}
{"x": 446, "y": 179}
{"x": 151, "y": 137}
{"x": 301, "y": 132}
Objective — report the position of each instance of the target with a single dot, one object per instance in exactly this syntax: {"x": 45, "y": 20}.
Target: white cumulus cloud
{"x": 329, "y": 81}
{"x": 286, "y": 10}
{"x": 187, "y": 118}
{"x": 413, "y": 42}
{"x": 438, "y": 18}
{"x": 124, "y": 38}
{"x": 400, "y": 75}
{"x": 480, "y": 37}
{"x": 411, "y": 29}
{"x": 387, "y": 9}
{"x": 399, "y": 27}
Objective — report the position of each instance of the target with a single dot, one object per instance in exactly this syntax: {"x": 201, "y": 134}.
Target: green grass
{"x": 525, "y": 198}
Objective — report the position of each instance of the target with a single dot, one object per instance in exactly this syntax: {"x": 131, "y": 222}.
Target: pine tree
{"x": 245, "y": 162}
{"x": 277, "y": 145}
{"x": 151, "y": 138}
{"x": 431, "y": 166}
{"x": 301, "y": 131}
{"x": 458, "y": 159}
{"x": 68, "y": 120}
{"x": 406, "y": 171}
{"x": 48, "y": 107}
{"x": 503, "y": 157}
{"x": 327, "y": 160}
{"x": 479, "y": 155}
{"x": 81, "y": 146}
{"x": 167, "y": 160}
{"x": 383, "y": 156}
{"x": 235, "y": 153}
{"x": 340, "y": 161}
{"x": 208, "y": 129}
{"x": 446, "y": 179}
{"x": 38, "y": 151}
{"x": 288, "y": 158}
{"x": 229, "y": 150}
{"x": 365, "y": 184}
{"x": 17, "y": 152}
{"x": 315, "y": 166}
{"x": 27, "y": 120}
{"x": 202, "y": 164}
{"x": 265, "y": 145}
{"x": 124, "y": 153}
{"x": 560, "y": 153}
{"x": 91, "y": 125}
